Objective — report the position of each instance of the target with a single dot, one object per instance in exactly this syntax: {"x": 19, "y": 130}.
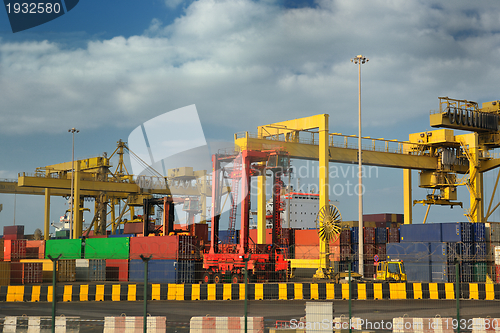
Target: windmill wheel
{"x": 328, "y": 223}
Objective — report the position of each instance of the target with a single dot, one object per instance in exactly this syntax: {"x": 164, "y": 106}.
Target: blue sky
{"x": 108, "y": 66}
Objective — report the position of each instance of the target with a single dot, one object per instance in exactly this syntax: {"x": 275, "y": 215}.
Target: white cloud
{"x": 245, "y": 63}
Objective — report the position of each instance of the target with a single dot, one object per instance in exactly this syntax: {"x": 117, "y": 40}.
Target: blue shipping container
{"x": 354, "y": 235}
{"x": 439, "y": 252}
{"x": 381, "y": 235}
{"x": 414, "y": 252}
{"x": 456, "y": 232}
{"x": 480, "y": 251}
{"x": 121, "y": 235}
{"x": 418, "y": 271}
{"x": 454, "y": 251}
{"x": 420, "y": 232}
{"x": 467, "y": 251}
{"x": 229, "y": 236}
{"x": 479, "y": 231}
{"x": 439, "y": 272}
{"x": 162, "y": 271}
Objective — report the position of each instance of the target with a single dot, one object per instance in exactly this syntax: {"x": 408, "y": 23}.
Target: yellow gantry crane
{"x": 93, "y": 178}
{"x": 444, "y": 160}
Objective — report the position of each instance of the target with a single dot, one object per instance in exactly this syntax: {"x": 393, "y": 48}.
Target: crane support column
{"x": 77, "y": 221}
{"x": 261, "y": 208}
{"x": 470, "y": 146}
{"x": 324, "y": 190}
{"x": 46, "y": 221}
{"x": 408, "y": 204}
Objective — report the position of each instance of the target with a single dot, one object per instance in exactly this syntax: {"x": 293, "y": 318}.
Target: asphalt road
{"x": 179, "y": 313}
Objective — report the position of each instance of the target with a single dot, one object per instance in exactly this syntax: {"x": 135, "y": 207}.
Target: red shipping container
{"x": 393, "y": 235}
{"x": 14, "y": 249}
{"x": 17, "y": 230}
{"x": 345, "y": 237}
{"x": 380, "y": 224}
{"x": 345, "y": 252}
{"x": 26, "y": 272}
{"x": 369, "y": 251}
{"x": 117, "y": 270}
{"x": 200, "y": 230}
{"x": 306, "y": 237}
{"x": 369, "y": 235}
{"x": 135, "y": 227}
{"x": 35, "y": 249}
{"x": 165, "y": 247}
{"x": 384, "y": 217}
{"x": 381, "y": 252}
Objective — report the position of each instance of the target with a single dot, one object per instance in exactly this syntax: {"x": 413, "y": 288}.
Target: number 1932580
{"x": 33, "y": 8}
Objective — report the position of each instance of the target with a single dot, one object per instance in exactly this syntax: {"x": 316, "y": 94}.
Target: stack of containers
{"x": 459, "y": 237}
{"x": 14, "y": 250}
{"x": 105, "y": 257}
{"x": 369, "y": 249}
{"x": 492, "y": 238}
{"x": 480, "y": 268}
{"x": 174, "y": 259}
{"x": 70, "y": 250}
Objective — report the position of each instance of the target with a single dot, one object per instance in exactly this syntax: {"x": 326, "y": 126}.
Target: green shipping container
{"x": 480, "y": 271}
{"x": 69, "y": 248}
{"x": 107, "y": 248}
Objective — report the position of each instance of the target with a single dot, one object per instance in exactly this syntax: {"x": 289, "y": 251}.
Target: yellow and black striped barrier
{"x": 256, "y": 291}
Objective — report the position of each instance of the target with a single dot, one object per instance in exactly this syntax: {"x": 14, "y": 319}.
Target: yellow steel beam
{"x": 346, "y": 155}
{"x": 43, "y": 182}
{"x": 93, "y": 163}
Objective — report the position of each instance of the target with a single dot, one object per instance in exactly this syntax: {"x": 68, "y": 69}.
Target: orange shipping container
{"x": 310, "y": 237}
{"x": 35, "y": 249}
{"x": 14, "y": 249}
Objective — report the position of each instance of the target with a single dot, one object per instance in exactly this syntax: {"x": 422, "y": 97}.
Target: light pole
{"x": 72, "y": 212}
{"x": 358, "y": 60}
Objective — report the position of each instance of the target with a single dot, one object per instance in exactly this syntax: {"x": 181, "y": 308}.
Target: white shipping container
{"x": 497, "y": 255}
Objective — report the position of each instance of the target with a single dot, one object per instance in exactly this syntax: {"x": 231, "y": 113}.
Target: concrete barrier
{"x": 484, "y": 325}
{"x": 225, "y": 324}
{"x": 43, "y": 324}
{"x": 128, "y": 324}
{"x": 418, "y": 325}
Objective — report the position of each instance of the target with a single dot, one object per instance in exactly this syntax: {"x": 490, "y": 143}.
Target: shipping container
{"x": 90, "y": 270}
{"x": 480, "y": 251}
{"x": 14, "y": 249}
{"x": 165, "y": 247}
{"x": 306, "y": 251}
{"x": 107, "y": 248}
{"x": 229, "y": 236}
{"x": 162, "y": 271}
{"x": 480, "y": 271}
{"x": 35, "y": 249}
{"x": 456, "y": 232}
{"x": 454, "y": 251}
{"x": 369, "y": 235}
{"x": 66, "y": 270}
{"x": 117, "y": 270}
{"x": 466, "y": 272}
{"x": 136, "y": 228}
{"x": 121, "y": 236}
{"x": 381, "y": 252}
{"x": 369, "y": 270}
{"x": 418, "y": 271}
{"x": 439, "y": 271}
{"x": 47, "y": 268}
{"x": 418, "y": 252}
{"x": 479, "y": 232}
{"x": 13, "y": 232}
{"x": 467, "y": 251}
{"x": 381, "y": 235}
{"x": 306, "y": 237}
{"x": 430, "y": 232}
{"x": 200, "y": 230}
{"x": 384, "y": 217}
{"x": 354, "y": 235}
{"x": 68, "y": 248}
{"x": 393, "y": 235}
{"x": 345, "y": 252}
{"x": 439, "y": 252}
{"x": 62, "y": 234}
{"x": 25, "y": 272}
{"x": 497, "y": 273}
{"x": 1, "y": 250}
{"x": 345, "y": 237}
{"x": 4, "y": 273}
{"x": 494, "y": 232}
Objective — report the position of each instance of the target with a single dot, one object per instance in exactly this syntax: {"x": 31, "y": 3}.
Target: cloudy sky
{"x": 106, "y": 67}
